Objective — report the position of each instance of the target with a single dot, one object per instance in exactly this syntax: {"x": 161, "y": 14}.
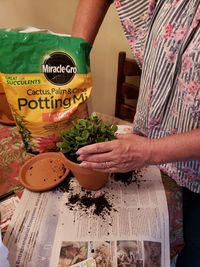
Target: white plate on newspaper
{"x": 124, "y": 129}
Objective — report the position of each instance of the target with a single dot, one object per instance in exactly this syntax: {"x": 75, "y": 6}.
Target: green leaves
{"x": 84, "y": 132}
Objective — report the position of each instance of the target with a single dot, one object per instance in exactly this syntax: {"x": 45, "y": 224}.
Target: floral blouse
{"x": 164, "y": 36}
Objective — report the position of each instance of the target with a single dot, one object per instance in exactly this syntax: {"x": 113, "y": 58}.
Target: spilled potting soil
{"x": 98, "y": 203}
{"x": 128, "y": 177}
{"x": 88, "y": 202}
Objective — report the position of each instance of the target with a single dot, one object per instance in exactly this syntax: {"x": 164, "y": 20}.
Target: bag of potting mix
{"x": 47, "y": 81}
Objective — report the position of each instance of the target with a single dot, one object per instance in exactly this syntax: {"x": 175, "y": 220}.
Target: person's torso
{"x": 165, "y": 40}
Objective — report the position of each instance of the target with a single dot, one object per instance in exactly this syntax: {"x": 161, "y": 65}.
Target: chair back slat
{"x": 127, "y": 92}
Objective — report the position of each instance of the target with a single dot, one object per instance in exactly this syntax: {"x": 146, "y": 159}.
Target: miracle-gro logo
{"x": 59, "y": 68}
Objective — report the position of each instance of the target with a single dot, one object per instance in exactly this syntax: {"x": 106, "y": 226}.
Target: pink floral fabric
{"x": 12, "y": 157}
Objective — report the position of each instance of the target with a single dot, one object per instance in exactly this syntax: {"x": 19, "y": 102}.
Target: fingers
{"x": 103, "y": 156}
{"x": 98, "y": 165}
{"x": 123, "y": 154}
{"x": 102, "y": 147}
{"x": 96, "y": 148}
{"x": 107, "y": 166}
{"x": 99, "y": 157}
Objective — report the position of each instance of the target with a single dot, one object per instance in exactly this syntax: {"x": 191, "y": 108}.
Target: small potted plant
{"x": 84, "y": 132}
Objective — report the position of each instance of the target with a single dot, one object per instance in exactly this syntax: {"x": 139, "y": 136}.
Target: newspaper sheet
{"x": 121, "y": 225}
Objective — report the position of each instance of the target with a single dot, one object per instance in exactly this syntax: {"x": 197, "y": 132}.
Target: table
{"x": 13, "y": 155}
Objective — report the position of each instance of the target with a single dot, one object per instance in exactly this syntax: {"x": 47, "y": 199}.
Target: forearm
{"x": 174, "y": 148}
{"x": 88, "y": 18}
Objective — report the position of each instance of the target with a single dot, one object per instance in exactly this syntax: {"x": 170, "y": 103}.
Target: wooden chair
{"x": 128, "y": 80}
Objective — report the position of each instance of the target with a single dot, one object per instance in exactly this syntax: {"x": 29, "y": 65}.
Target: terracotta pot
{"x": 87, "y": 178}
{"x": 5, "y": 112}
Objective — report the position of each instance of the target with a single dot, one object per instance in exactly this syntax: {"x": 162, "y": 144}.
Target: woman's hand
{"x": 131, "y": 151}
{"x": 127, "y": 152}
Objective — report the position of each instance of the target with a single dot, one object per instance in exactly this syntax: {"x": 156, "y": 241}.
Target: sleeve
{"x": 135, "y": 17}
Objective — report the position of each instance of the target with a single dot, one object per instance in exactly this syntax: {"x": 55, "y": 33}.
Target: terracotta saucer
{"x": 43, "y": 172}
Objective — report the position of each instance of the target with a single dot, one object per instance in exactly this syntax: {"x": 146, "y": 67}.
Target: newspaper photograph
{"x": 7, "y": 208}
{"x": 125, "y": 224}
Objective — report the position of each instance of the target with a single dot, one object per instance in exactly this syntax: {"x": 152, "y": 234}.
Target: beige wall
{"x": 58, "y": 16}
